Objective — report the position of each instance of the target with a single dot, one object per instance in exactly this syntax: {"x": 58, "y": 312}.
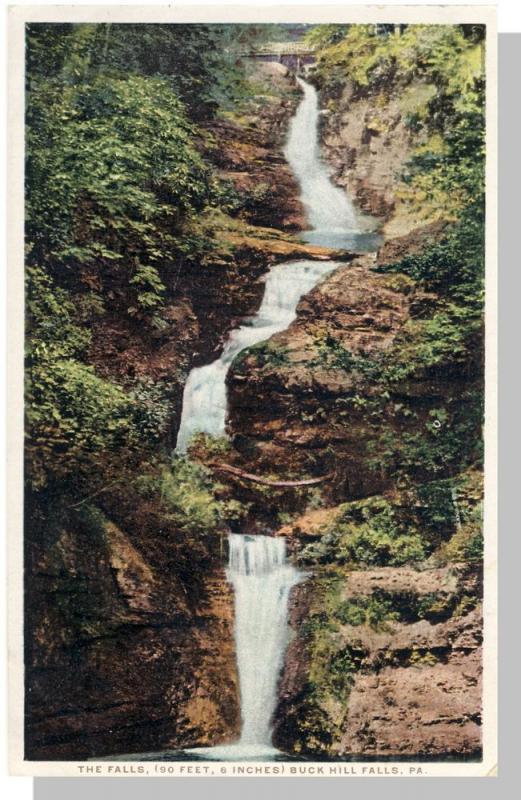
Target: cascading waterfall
{"x": 332, "y": 216}
{"x": 335, "y": 224}
{"x": 262, "y": 579}
{"x": 258, "y": 568}
{"x": 329, "y": 209}
{"x": 204, "y": 399}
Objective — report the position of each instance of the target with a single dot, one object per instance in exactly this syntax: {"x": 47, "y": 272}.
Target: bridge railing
{"x": 278, "y": 49}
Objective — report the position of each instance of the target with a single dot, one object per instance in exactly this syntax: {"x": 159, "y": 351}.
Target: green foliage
{"x": 372, "y": 547}
{"x": 73, "y": 416}
{"x": 149, "y": 286}
{"x": 341, "y": 670}
{"x": 443, "y": 341}
{"x": 440, "y": 351}
{"x": 437, "y": 72}
{"x": 466, "y": 543}
{"x": 374, "y": 610}
{"x": 422, "y": 658}
{"x": 111, "y": 165}
{"x": 199, "y": 61}
{"x": 437, "y": 53}
{"x": 473, "y": 548}
{"x": 186, "y": 492}
{"x": 433, "y": 607}
{"x": 51, "y": 324}
{"x": 307, "y": 727}
{"x": 153, "y": 410}
{"x": 116, "y": 192}
{"x": 453, "y": 267}
{"x": 333, "y": 355}
{"x": 206, "y": 446}
{"x": 369, "y": 533}
{"x": 441, "y": 519}
{"x": 437, "y": 502}
{"x": 266, "y": 354}
{"x": 382, "y": 607}
{"x": 445, "y": 444}
{"x": 333, "y": 664}
{"x": 323, "y": 36}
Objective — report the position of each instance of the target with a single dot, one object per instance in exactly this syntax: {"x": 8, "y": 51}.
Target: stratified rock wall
{"x": 368, "y": 142}
{"x": 412, "y": 688}
{"x": 297, "y": 408}
{"x": 405, "y": 680}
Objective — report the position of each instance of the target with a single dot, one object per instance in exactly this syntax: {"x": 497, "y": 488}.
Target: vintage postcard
{"x": 252, "y": 450}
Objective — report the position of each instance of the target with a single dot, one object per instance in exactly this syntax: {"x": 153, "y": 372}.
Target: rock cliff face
{"x": 405, "y": 687}
{"x": 247, "y": 151}
{"x": 385, "y": 661}
{"x": 298, "y": 403}
{"x": 368, "y": 141}
{"x": 127, "y": 654}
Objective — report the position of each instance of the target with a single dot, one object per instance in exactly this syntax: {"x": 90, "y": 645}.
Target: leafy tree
{"x": 75, "y": 419}
{"x": 200, "y": 62}
{"x": 111, "y": 167}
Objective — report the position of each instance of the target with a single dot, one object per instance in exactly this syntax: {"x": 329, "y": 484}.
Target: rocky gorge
{"x": 382, "y": 662}
{"x": 373, "y": 390}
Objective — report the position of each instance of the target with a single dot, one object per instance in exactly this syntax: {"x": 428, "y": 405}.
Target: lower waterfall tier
{"x": 262, "y": 579}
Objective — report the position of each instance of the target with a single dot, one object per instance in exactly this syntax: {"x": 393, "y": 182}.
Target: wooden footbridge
{"x": 294, "y": 55}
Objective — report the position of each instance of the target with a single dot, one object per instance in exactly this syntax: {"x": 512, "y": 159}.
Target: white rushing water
{"x": 335, "y": 224}
{"x": 204, "y": 399}
{"x": 262, "y": 579}
{"x": 258, "y": 568}
{"x": 329, "y": 209}
{"x": 332, "y": 216}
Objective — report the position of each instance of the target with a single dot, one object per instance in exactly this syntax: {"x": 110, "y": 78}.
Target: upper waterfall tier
{"x": 333, "y": 218}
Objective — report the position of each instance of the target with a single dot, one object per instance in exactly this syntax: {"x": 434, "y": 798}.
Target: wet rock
{"x": 291, "y": 402}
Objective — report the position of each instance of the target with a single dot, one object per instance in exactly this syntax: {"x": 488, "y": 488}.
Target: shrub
{"x": 73, "y": 417}
{"x": 374, "y": 548}
{"x": 374, "y": 610}
{"x": 186, "y": 492}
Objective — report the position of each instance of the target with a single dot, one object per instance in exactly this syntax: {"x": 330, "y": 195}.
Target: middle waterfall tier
{"x": 204, "y": 399}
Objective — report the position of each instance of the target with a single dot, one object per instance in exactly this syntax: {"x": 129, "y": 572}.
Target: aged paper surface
{"x": 254, "y": 539}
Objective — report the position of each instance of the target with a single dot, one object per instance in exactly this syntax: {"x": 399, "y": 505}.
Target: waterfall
{"x": 327, "y": 206}
{"x": 262, "y": 579}
{"x": 204, "y": 399}
{"x": 258, "y": 568}
{"x": 335, "y": 224}
{"x": 330, "y": 211}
